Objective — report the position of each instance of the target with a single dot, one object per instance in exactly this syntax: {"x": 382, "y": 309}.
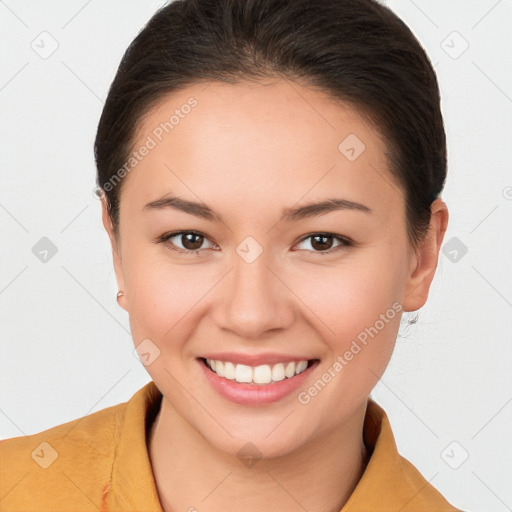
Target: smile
{"x": 262, "y": 374}
{"x": 256, "y": 379}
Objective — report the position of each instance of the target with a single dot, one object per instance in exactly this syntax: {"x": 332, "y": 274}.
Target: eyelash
{"x": 344, "y": 242}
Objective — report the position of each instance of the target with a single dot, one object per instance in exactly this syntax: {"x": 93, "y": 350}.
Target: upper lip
{"x": 255, "y": 359}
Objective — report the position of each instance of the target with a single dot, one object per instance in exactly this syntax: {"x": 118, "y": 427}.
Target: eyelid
{"x": 166, "y": 236}
{"x": 345, "y": 242}
{"x": 344, "y": 238}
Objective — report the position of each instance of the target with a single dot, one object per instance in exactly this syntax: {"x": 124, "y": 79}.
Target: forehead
{"x": 251, "y": 142}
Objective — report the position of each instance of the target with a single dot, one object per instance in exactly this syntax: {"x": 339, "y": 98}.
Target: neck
{"x": 190, "y": 474}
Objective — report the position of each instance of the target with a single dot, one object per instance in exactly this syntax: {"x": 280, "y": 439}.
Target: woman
{"x": 270, "y": 174}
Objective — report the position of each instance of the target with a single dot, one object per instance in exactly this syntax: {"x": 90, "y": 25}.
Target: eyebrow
{"x": 308, "y": 210}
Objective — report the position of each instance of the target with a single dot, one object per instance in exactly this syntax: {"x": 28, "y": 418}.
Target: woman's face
{"x": 267, "y": 286}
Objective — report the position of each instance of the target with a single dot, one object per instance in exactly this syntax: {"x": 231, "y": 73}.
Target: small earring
{"x": 120, "y": 293}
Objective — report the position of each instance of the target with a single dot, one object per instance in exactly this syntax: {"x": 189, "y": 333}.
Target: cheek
{"x": 165, "y": 299}
{"x": 358, "y": 308}
{"x": 352, "y": 297}
{"x": 359, "y": 313}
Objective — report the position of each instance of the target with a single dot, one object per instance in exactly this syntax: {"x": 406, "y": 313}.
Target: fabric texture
{"x": 100, "y": 462}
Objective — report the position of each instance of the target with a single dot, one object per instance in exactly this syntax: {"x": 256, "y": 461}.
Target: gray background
{"x": 66, "y": 349}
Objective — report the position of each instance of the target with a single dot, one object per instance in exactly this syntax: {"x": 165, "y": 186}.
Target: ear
{"x": 116, "y": 250}
{"x": 424, "y": 260}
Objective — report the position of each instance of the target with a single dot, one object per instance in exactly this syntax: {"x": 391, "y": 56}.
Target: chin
{"x": 255, "y": 447}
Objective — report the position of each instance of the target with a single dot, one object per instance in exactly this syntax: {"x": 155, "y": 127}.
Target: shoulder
{"x": 65, "y": 465}
{"x": 424, "y": 496}
{"x": 390, "y": 481}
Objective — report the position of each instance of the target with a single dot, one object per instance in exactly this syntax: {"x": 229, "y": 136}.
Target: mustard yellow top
{"x": 101, "y": 463}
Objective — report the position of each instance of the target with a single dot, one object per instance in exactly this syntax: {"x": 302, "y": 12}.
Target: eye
{"x": 191, "y": 241}
{"x": 322, "y": 243}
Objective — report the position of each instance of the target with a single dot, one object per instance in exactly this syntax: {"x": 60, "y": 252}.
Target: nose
{"x": 254, "y": 299}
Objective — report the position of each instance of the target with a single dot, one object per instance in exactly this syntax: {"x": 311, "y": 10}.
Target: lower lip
{"x": 254, "y": 394}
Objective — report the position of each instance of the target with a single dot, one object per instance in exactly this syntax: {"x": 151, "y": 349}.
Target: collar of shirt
{"x": 389, "y": 483}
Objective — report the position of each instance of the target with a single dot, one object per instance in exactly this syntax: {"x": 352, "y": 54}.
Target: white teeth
{"x": 218, "y": 367}
{"x": 301, "y": 366}
{"x": 263, "y": 374}
{"x": 229, "y": 370}
{"x": 243, "y": 373}
{"x": 278, "y": 372}
{"x": 289, "y": 371}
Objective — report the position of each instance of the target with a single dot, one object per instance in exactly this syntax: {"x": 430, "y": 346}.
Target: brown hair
{"x": 357, "y": 51}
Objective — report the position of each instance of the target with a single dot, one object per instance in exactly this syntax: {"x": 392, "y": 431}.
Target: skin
{"x": 248, "y": 151}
